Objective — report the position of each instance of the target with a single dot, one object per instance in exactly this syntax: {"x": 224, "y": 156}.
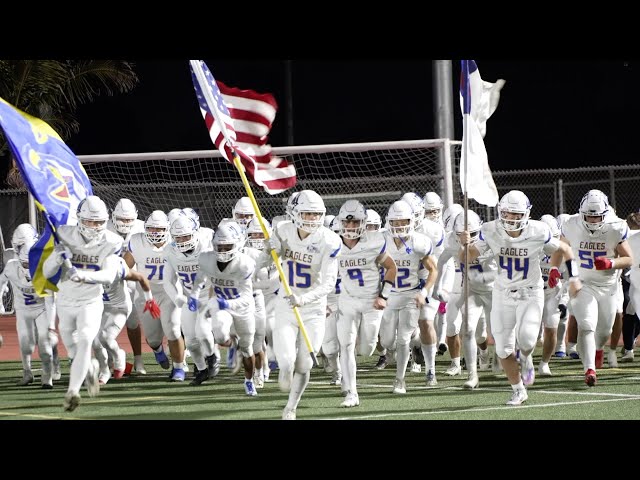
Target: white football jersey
{"x": 233, "y": 283}
{"x": 266, "y": 279}
{"x": 24, "y": 295}
{"x": 88, "y": 257}
{"x": 436, "y": 234}
{"x": 518, "y": 258}
{"x": 588, "y": 246}
{"x": 185, "y": 267}
{"x": 449, "y": 252}
{"x": 357, "y": 267}
{"x": 279, "y": 219}
{"x": 408, "y": 258}
{"x": 150, "y": 260}
{"x": 307, "y": 263}
{"x": 117, "y": 294}
{"x": 137, "y": 227}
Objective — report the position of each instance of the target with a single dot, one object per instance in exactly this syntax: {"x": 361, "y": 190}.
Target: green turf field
{"x": 563, "y": 396}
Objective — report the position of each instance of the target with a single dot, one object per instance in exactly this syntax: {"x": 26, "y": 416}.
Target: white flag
{"x": 478, "y": 101}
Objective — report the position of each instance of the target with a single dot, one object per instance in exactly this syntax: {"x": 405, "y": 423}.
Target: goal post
{"x": 375, "y": 173}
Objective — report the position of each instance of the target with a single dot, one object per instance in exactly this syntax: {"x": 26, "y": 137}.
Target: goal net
{"x": 377, "y": 174}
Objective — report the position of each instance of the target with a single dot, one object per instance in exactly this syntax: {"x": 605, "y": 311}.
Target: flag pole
{"x": 197, "y": 70}
{"x": 465, "y": 147}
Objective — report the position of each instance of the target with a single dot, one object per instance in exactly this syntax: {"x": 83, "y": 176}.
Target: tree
{"x": 53, "y": 89}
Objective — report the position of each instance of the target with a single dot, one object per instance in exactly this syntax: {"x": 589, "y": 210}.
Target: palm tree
{"x": 53, "y": 89}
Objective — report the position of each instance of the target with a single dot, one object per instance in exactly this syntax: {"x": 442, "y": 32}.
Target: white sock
{"x": 298, "y": 385}
{"x": 429, "y": 353}
{"x": 518, "y": 386}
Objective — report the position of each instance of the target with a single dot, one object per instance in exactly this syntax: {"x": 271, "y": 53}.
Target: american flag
{"x": 246, "y": 117}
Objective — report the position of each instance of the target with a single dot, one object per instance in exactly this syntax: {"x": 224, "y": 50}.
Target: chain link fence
{"x": 556, "y": 191}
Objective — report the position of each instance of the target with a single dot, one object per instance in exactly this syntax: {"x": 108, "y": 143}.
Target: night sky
{"x": 551, "y": 114}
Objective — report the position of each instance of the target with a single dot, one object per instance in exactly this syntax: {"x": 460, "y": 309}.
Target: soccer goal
{"x": 375, "y": 173}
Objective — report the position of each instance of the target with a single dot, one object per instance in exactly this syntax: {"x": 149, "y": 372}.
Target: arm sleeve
{"x": 4, "y": 280}
{"x": 51, "y": 265}
{"x": 107, "y": 273}
{"x": 170, "y": 281}
{"x": 442, "y": 261}
{"x": 328, "y": 278}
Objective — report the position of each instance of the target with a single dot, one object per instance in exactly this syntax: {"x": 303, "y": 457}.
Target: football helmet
{"x": 516, "y": 202}
{"x": 433, "y": 206}
{"x": 352, "y": 211}
{"x": 552, "y": 223}
{"x": 400, "y": 210}
{"x": 184, "y": 234}
{"x": 243, "y": 211}
{"x": 417, "y": 206}
{"x": 24, "y": 233}
{"x": 92, "y": 217}
{"x": 191, "y": 213}
{"x": 290, "y": 203}
{"x": 255, "y": 236}
{"x": 174, "y": 213}
{"x": 474, "y": 223}
{"x": 328, "y": 219}
{"x": 123, "y": 215}
{"x": 308, "y": 202}
{"x": 227, "y": 242}
{"x": 450, "y": 215}
{"x": 156, "y": 227}
{"x": 374, "y": 222}
{"x": 594, "y": 204}
{"x": 23, "y": 258}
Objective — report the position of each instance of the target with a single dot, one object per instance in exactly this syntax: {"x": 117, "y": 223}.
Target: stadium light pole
{"x": 288, "y": 87}
{"x": 443, "y": 115}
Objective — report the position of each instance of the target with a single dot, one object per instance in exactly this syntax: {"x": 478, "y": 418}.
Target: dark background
{"x": 551, "y": 113}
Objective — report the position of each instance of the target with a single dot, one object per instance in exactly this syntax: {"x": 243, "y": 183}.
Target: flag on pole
{"x": 241, "y": 120}
{"x": 53, "y": 175}
{"x": 478, "y": 101}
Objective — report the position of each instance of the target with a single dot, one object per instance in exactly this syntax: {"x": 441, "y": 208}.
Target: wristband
{"x": 572, "y": 268}
{"x": 148, "y": 295}
{"x": 613, "y": 264}
{"x": 425, "y": 293}
{"x": 385, "y": 290}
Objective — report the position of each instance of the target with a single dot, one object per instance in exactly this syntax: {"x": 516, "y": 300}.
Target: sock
{"x": 178, "y": 365}
{"x": 518, "y": 386}
{"x": 456, "y": 361}
{"x": 429, "y": 353}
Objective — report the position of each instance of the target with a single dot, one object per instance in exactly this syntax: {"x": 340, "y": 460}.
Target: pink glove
{"x": 442, "y": 308}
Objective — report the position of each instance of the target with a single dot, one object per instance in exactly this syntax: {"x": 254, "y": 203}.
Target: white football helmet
{"x": 23, "y": 258}
{"x": 255, "y": 236}
{"x": 399, "y": 211}
{"x": 552, "y": 223}
{"x": 450, "y": 215}
{"x": 516, "y": 202}
{"x": 184, "y": 234}
{"x": 24, "y": 233}
{"x": 290, "y": 203}
{"x": 308, "y": 202}
{"x": 594, "y": 204}
{"x": 433, "y": 206}
{"x": 334, "y": 226}
{"x": 243, "y": 211}
{"x": 374, "y": 222}
{"x": 352, "y": 211}
{"x": 123, "y": 215}
{"x": 92, "y": 217}
{"x": 474, "y": 223}
{"x": 191, "y": 213}
{"x": 563, "y": 217}
{"x": 156, "y": 227}
{"x": 417, "y": 206}
{"x": 227, "y": 242}
{"x": 174, "y": 213}
{"x": 328, "y": 219}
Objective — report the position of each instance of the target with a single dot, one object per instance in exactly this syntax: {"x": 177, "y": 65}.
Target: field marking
{"x": 39, "y": 416}
{"x": 484, "y": 409}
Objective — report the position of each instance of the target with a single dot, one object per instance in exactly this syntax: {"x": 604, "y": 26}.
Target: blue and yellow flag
{"x": 54, "y": 176}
